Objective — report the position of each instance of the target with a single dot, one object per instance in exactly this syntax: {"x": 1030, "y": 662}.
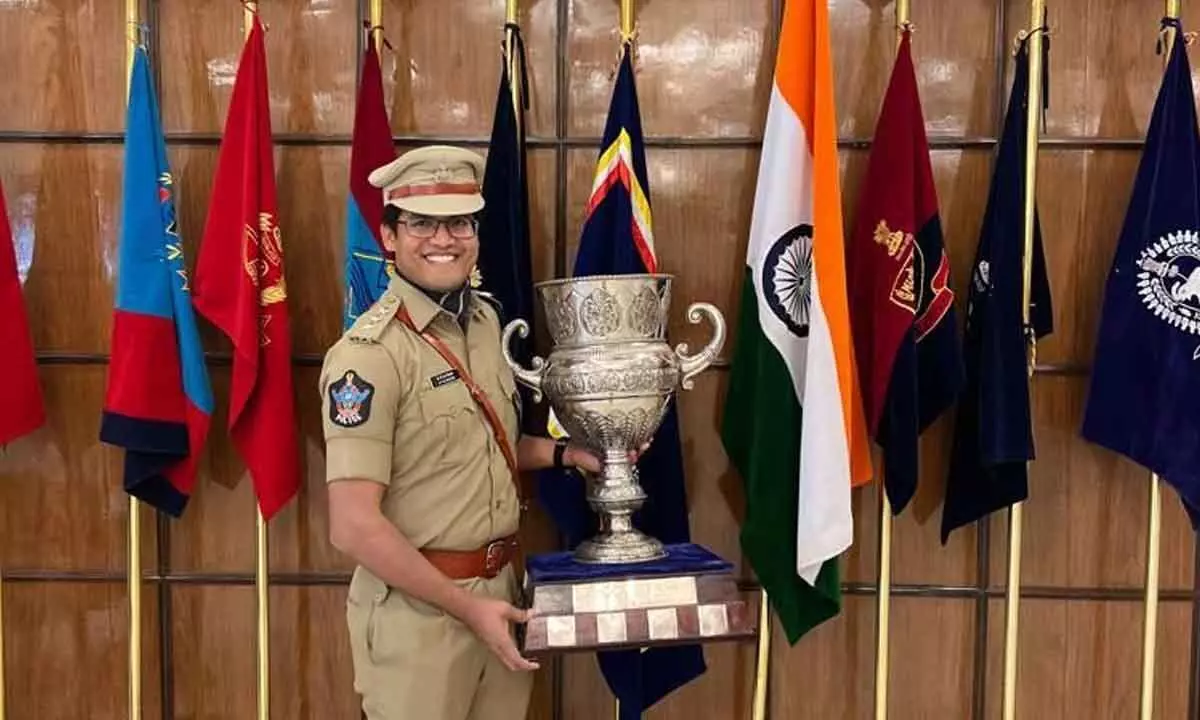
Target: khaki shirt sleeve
{"x": 360, "y": 395}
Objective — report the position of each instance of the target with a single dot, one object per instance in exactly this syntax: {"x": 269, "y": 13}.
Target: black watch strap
{"x": 560, "y": 449}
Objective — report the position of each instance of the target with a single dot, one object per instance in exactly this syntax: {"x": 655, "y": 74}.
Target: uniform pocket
{"x": 362, "y": 621}
{"x": 449, "y": 414}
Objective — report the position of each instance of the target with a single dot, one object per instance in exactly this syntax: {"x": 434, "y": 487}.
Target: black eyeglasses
{"x": 461, "y": 227}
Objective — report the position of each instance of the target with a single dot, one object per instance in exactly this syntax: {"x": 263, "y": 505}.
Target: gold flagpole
{"x": 513, "y": 64}
{"x": 627, "y": 23}
{"x": 261, "y": 580}
{"x": 1154, "y": 531}
{"x": 375, "y": 16}
{"x": 626, "y": 33}
{"x": 763, "y": 660}
{"x": 134, "y": 571}
{"x": 1033, "y": 117}
{"x": 883, "y": 620}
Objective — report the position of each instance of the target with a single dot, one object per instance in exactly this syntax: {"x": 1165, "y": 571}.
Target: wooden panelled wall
{"x": 704, "y": 79}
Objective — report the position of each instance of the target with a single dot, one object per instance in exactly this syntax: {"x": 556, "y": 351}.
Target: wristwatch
{"x": 560, "y": 449}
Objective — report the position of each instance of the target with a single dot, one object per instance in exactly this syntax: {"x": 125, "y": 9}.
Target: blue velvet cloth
{"x": 681, "y": 559}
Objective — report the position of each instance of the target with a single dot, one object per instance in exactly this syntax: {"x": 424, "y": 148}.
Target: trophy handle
{"x": 693, "y": 365}
{"x": 529, "y": 378}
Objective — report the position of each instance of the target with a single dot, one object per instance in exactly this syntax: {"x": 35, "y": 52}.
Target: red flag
{"x": 239, "y": 286}
{"x": 901, "y": 305}
{"x": 20, "y": 393}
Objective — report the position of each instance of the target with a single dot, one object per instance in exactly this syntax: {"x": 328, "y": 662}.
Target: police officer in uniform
{"x": 423, "y": 447}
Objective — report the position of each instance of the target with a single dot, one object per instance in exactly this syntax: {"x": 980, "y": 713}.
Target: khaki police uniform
{"x": 396, "y": 413}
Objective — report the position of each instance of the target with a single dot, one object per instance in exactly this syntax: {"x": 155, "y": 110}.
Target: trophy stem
{"x": 615, "y": 495}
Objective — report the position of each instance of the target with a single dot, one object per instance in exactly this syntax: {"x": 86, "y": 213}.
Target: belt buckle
{"x": 493, "y": 558}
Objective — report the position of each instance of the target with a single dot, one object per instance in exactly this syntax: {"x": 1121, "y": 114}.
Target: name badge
{"x": 444, "y": 378}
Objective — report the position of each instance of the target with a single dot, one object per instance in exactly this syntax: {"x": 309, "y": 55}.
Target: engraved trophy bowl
{"x": 609, "y": 378}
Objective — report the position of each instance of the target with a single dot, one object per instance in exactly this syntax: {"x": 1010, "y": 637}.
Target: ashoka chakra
{"x": 787, "y": 278}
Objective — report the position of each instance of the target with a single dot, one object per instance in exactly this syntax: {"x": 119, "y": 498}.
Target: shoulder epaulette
{"x": 370, "y": 325}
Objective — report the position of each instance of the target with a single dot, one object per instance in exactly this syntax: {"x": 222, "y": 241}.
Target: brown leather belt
{"x": 484, "y": 562}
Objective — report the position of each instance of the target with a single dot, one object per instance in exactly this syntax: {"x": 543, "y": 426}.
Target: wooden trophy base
{"x": 691, "y": 597}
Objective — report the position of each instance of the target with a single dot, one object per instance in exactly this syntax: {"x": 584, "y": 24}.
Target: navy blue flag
{"x": 504, "y": 265}
{"x": 618, "y": 238}
{"x": 993, "y": 434}
{"x": 1145, "y": 382}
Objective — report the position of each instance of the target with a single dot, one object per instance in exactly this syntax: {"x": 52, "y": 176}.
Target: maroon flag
{"x": 239, "y": 286}
{"x": 20, "y": 393}
{"x": 901, "y": 305}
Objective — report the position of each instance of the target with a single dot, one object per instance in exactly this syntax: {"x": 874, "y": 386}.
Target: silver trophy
{"x": 609, "y": 379}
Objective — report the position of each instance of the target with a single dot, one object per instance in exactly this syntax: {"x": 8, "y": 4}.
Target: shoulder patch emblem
{"x": 350, "y": 400}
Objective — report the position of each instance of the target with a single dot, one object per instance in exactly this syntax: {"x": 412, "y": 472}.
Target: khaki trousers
{"x": 414, "y": 662}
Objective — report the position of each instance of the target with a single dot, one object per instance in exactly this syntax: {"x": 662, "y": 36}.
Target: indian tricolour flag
{"x": 793, "y": 423}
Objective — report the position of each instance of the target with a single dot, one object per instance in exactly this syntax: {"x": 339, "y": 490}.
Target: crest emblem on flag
{"x": 787, "y": 278}
{"x": 1169, "y": 281}
{"x": 351, "y": 400}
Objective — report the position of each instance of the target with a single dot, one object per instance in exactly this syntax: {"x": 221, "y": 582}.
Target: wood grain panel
{"x": 918, "y": 555}
{"x": 199, "y": 47}
{"x": 931, "y": 672}
{"x": 703, "y": 69}
{"x": 829, "y": 674}
{"x": 1104, "y": 72}
{"x": 955, "y": 64}
{"x": 64, "y": 203}
{"x": 313, "y": 191}
{"x": 443, "y": 76}
{"x": 1083, "y": 659}
{"x": 543, "y": 211}
{"x": 725, "y": 690}
{"x": 312, "y": 62}
{"x": 213, "y": 635}
{"x": 216, "y": 533}
{"x": 1082, "y": 196}
{"x": 716, "y": 499}
{"x": 312, "y": 676}
{"x": 62, "y": 483}
{"x": 65, "y": 66}
{"x": 65, "y": 651}
{"x": 1085, "y": 522}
